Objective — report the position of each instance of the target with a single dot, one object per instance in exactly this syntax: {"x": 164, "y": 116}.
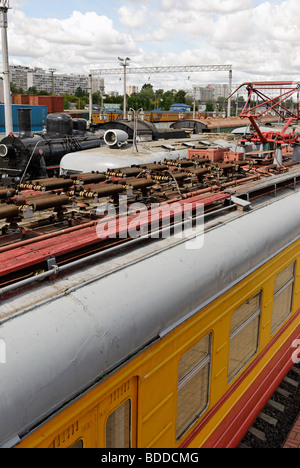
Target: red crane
{"x": 266, "y": 104}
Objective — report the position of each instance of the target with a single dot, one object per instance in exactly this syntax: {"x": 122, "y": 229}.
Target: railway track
{"x": 275, "y": 421}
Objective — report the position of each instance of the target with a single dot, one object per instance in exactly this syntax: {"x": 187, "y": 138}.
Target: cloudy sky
{"x": 261, "y": 39}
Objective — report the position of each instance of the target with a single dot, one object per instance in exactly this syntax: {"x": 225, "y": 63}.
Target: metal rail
{"x": 54, "y": 269}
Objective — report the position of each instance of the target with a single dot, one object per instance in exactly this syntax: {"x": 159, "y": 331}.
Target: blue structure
{"x": 38, "y": 117}
{"x": 180, "y": 108}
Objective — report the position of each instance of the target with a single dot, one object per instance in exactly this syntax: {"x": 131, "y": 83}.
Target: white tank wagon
{"x": 120, "y": 151}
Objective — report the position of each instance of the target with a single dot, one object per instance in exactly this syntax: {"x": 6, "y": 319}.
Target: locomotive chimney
{"x": 24, "y": 115}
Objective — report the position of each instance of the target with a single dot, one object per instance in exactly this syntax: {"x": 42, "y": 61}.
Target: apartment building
{"x": 132, "y": 90}
{"x": 211, "y": 92}
{"x": 49, "y": 80}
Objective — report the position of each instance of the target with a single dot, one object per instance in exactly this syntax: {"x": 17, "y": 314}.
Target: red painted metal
{"x": 234, "y": 426}
{"x": 286, "y": 90}
{"x": 28, "y": 254}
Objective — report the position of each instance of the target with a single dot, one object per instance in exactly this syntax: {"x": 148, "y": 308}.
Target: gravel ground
{"x": 275, "y": 436}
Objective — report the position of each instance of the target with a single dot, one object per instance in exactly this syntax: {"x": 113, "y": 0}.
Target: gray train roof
{"x": 105, "y": 157}
{"x": 63, "y": 336}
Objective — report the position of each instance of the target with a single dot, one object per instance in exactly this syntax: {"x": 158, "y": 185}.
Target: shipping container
{"x": 55, "y": 104}
{"x": 38, "y": 117}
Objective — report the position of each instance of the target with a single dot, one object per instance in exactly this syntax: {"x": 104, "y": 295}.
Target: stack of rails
{"x": 155, "y": 182}
{"x": 150, "y": 183}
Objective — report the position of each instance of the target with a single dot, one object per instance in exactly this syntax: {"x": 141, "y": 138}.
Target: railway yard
{"x": 218, "y": 178}
{"x": 150, "y": 291}
{"x": 149, "y": 259}
{"x": 50, "y": 225}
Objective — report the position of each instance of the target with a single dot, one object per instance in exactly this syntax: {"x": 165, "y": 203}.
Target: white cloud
{"x": 261, "y": 42}
{"x": 70, "y": 44}
{"x": 209, "y": 6}
{"x": 133, "y": 18}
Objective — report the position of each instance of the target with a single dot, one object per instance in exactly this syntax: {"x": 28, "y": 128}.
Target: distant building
{"x": 113, "y": 93}
{"x": 204, "y": 93}
{"x": 44, "y": 80}
{"x": 221, "y": 90}
{"x": 211, "y": 92}
{"x": 132, "y": 90}
{"x": 18, "y": 76}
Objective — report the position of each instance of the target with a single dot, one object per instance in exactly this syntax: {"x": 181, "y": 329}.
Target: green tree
{"x": 167, "y": 100}
{"x": 15, "y": 90}
{"x": 180, "y": 97}
{"x": 32, "y": 91}
{"x": 209, "y": 106}
{"x": 97, "y": 98}
{"x": 68, "y": 98}
{"x": 80, "y": 93}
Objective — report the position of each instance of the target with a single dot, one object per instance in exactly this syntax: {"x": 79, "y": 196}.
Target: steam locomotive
{"x": 37, "y": 155}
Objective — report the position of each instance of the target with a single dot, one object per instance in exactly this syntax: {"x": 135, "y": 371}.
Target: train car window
{"x": 193, "y": 384}
{"x": 244, "y": 335}
{"x": 78, "y": 444}
{"x": 118, "y": 427}
{"x": 283, "y": 296}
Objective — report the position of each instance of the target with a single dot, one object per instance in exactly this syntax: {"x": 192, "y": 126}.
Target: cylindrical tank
{"x": 80, "y": 125}
{"x": 24, "y": 115}
{"x": 115, "y": 137}
{"x": 59, "y": 123}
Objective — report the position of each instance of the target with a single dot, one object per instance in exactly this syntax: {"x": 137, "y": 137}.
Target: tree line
{"x": 147, "y": 98}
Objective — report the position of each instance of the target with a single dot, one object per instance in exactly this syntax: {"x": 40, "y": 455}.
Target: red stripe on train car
{"x": 236, "y": 423}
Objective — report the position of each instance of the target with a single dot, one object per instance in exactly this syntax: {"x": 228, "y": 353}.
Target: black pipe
{"x": 24, "y": 115}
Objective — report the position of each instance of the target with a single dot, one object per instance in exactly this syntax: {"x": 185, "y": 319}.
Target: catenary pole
{"x": 4, "y": 6}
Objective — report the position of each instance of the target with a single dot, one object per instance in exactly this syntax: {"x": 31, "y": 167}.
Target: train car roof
{"x": 105, "y": 157}
{"x": 64, "y": 336}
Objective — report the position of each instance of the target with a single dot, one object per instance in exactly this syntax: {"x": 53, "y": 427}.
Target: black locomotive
{"x": 37, "y": 155}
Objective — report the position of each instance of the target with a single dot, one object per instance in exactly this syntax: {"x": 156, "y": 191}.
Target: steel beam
{"x": 189, "y": 69}
{"x": 171, "y": 69}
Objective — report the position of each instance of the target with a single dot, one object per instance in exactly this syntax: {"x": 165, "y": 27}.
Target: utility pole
{"x": 4, "y": 6}
{"x": 125, "y": 64}
{"x": 52, "y": 70}
{"x": 90, "y": 98}
{"x": 230, "y": 90}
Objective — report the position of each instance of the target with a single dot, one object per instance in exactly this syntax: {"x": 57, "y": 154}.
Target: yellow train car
{"x": 169, "y": 345}
{"x": 150, "y": 116}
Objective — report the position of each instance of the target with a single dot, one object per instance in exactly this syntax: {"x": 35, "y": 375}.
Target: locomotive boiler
{"x": 38, "y": 155}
